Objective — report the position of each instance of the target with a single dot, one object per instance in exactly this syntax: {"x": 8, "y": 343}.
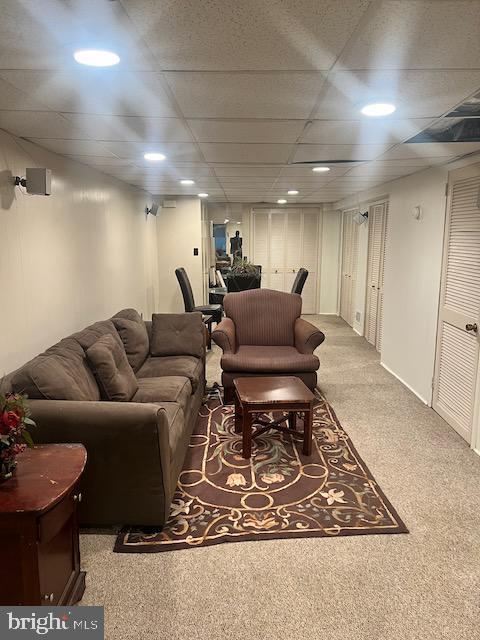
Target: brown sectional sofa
{"x": 135, "y": 449}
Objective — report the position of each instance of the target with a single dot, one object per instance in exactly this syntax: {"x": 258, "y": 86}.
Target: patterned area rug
{"x": 278, "y": 493}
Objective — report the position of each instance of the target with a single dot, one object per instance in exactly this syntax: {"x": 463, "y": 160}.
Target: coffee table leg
{"x": 307, "y": 432}
{"x": 246, "y": 434}
{"x": 292, "y": 419}
{"x": 238, "y": 414}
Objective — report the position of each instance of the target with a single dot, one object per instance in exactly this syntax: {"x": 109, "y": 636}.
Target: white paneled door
{"x": 349, "y": 266}
{"x": 285, "y": 240}
{"x": 377, "y": 234}
{"x": 455, "y": 395}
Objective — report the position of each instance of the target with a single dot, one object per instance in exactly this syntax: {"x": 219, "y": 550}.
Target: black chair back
{"x": 186, "y": 288}
{"x": 297, "y": 286}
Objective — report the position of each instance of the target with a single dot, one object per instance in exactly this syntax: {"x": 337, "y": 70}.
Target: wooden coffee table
{"x": 257, "y": 395}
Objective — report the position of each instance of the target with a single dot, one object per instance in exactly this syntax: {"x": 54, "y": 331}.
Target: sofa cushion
{"x": 165, "y": 389}
{"x": 60, "y": 373}
{"x": 89, "y": 335}
{"x": 186, "y": 366}
{"x": 134, "y": 336}
{"x": 271, "y": 359}
{"x": 176, "y": 334}
{"x": 129, "y": 314}
{"x": 112, "y": 370}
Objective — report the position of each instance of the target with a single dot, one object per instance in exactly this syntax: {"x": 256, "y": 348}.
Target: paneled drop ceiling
{"x": 236, "y": 93}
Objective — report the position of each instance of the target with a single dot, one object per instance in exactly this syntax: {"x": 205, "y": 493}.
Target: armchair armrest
{"x": 127, "y": 475}
{"x": 224, "y": 335}
{"x": 307, "y": 336}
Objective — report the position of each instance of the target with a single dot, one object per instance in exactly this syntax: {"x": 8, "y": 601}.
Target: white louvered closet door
{"x": 277, "y": 241}
{"x": 309, "y": 260}
{"x": 349, "y": 267}
{"x": 457, "y": 360}
{"x": 293, "y": 247}
{"x": 377, "y": 227}
{"x": 261, "y": 245}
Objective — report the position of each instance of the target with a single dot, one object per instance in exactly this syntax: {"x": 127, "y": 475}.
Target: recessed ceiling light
{"x": 226, "y": 220}
{"x": 377, "y": 109}
{"x": 321, "y": 169}
{"x": 96, "y": 57}
{"x": 239, "y": 223}
{"x": 282, "y": 201}
{"x": 202, "y": 195}
{"x": 292, "y": 192}
{"x": 153, "y": 156}
{"x": 187, "y": 181}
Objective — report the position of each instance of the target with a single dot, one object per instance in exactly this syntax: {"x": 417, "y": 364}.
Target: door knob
{"x": 472, "y": 327}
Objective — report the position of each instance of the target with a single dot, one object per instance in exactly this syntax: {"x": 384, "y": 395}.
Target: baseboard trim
{"x": 477, "y": 451}
{"x": 405, "y": 384}
{"x": 357, "y": 332}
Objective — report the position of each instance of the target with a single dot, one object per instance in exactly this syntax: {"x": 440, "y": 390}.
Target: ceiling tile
{"x": 375, "y": 169}
{"x": 131, "y": 128}
{"x": 228, "y": 34}
{"x": 325, "y": 152}
{"x": 44, "y": 35}
{"x": 245, "y": 95}
{"x": 223, "y": 152}
{"x": 38, "y": 124}
{"x": 245, "y": 170}
{"x": 13, "y": 98}
{"x": 431, "y": 149}
{"x": 246, "y": 131}
{"x": 363, "y": 131}
{"x": 416, "y": 35}
{"x": 72, "y": 147}
{"x": 101, "y": 91}
{"x": 306, "y": 170}
{"x": 106, "y": 162}
{"x": 178, "y": 170}
{"x": 416, "y": 94}
{"x": 231, "y": 180}
{"x": 173, "y": 150}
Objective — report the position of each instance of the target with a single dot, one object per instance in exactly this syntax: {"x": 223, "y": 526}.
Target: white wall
{"x": 412, "y": 274}
{"x": 179, "y": 231}
{"x": 71, "y": 258}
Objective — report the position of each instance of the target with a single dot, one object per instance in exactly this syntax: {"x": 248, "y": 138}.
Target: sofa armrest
{"x": 127, "y": 475}
{"x": 224, "y": 335}
{"x": 307, "y": 336}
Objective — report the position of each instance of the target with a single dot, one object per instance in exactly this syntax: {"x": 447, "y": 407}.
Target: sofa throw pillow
{"x": 112, "y": 370}
{"x": 135, "y": 340}
{"x": 175, "y": 334}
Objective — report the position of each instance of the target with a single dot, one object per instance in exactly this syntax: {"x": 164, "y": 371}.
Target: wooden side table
{"x": 256, "y": 395}
{"x": 39, "y": 546}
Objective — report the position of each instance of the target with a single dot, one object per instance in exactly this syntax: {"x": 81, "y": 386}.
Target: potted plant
{"x": 14, "y": 436}
{"x": 244, "y": 275}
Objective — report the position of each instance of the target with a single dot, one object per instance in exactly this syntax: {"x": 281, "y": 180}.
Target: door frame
{"x": 470, "y": 171}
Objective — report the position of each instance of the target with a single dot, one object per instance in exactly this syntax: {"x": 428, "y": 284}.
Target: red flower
{"x": 11, "y": 420}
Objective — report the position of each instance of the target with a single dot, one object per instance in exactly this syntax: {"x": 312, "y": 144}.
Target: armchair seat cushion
{"x": 270, "y": 359}
{"x": 187, "y": 366}
{"x": 165, "y": 389}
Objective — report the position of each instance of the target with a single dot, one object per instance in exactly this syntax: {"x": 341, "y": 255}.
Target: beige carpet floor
{"x": 420, "y": 586}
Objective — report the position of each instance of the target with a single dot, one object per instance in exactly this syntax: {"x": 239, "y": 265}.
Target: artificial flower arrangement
{"x": 14, "y": 436}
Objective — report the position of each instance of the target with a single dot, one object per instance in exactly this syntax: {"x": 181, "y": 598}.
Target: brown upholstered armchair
{"x": 264, "y": 335}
